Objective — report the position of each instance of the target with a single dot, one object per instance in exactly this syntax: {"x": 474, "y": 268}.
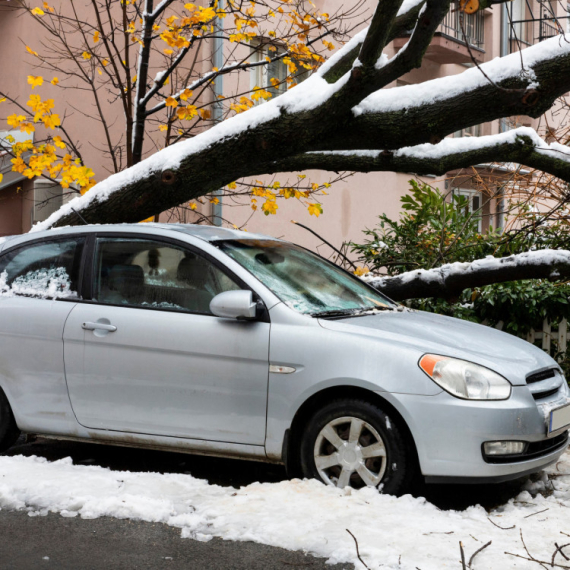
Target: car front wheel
{"x": 353, "y": 443}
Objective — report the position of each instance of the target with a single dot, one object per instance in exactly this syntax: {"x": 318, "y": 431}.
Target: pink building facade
{"x": 351, "y": 205}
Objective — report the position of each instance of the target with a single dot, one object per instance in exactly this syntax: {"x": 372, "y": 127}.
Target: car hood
{"x": 508, "y": 355}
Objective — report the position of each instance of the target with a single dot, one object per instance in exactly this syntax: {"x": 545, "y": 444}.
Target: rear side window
{"x": 46, "y": 270}
{"x": 152, "y": 274}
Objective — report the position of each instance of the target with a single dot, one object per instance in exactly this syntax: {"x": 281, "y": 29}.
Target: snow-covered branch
{"x": 290, "y": 131}
{"x": 449, "y": 280}
{"x": 521, "y": 145}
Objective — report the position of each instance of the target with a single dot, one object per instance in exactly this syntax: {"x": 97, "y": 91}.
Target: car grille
{"x": 533, "y": 450}
{"x": 545, "y": 383}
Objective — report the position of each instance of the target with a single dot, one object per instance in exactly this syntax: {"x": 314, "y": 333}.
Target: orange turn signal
{"x": 428, "y": 362}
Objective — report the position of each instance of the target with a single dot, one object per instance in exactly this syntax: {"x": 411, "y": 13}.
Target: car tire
{"x": 352, "y": 442}
{"x": 9, "y": 431}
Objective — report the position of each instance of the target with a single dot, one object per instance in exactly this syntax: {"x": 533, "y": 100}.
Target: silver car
{"x": 220, "y": 342}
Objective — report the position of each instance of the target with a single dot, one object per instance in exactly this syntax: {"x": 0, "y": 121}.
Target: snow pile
{"x": 441, "y": 274}
{"x": 393, "y": 533}
{"x": 44, "y": 283}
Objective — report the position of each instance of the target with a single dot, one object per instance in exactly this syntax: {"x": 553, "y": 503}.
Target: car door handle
{"x": 98, "y": 327}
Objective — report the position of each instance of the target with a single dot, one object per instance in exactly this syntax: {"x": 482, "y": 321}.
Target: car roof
{"x": 202, "y": 232}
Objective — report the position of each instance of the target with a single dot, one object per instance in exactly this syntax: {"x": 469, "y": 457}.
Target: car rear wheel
{"x": 9, "y": 431}
{"x": 353, "y": 443}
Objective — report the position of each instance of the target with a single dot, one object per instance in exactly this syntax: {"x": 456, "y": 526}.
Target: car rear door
{"x": 147, "y": 356}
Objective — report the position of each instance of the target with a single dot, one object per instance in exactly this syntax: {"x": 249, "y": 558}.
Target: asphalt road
{"x": 58, "y": 543}
{"x": 27, "y": 543}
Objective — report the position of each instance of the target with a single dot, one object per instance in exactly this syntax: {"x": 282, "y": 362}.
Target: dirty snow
{"x": 489, "y": 263}
{"x": 393, "y": 533}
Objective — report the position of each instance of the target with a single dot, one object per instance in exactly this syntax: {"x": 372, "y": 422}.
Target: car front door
{"x": 39, "y": 286}
{"x": 147, "y": 356}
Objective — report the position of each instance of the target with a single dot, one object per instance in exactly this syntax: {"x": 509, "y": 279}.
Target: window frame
{"x": 56, "y": 239}
{"x": 90, "y": 271}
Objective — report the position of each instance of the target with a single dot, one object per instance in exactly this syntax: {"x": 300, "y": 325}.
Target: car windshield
{"x": 304, "y": 281}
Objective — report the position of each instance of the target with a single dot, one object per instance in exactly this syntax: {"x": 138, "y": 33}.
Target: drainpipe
{"x": 217, "y": 113}
{"x": 504, "y": 49}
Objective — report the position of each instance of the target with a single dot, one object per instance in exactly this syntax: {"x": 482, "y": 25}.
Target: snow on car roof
{"x": 213, "y": 233}
{"x": 203, "y": 232}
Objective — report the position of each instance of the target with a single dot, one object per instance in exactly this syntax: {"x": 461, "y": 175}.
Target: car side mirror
{"x": 234, "y": 305}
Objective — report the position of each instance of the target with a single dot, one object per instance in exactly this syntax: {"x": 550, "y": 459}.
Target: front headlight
{"x": 464, "y": 379}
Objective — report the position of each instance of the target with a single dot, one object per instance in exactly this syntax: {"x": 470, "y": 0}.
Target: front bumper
{"x": 449, "y": 434}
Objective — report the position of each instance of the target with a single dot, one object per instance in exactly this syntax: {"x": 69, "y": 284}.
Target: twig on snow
{"x": 537, "y": 513}
{"x": 462, "y": 556}
{"x": 559, "y": 549}
{"x": 477, "y": 552}
{"x": 502, "y": 527}
{"x": 357, "y": 550}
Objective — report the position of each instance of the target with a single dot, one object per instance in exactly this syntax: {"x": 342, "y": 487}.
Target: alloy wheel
{"x": 350, "y": 452}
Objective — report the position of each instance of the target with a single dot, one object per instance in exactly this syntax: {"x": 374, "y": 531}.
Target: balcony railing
{"x": 471, "y": 32}
{"x": 523, "y": 33}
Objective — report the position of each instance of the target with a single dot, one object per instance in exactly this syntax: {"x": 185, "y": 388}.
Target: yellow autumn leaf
{"x": 205, "y": 113}
{"x": 35, "y": 81}
{"x": 27, "y": 128}
{"x": 269, "y": 207}
{"x": 232, "y": 185}
{"x": 96, "y": 36}
{"x": 171, "y": 102}
{"x": 168, "y": 51}
{"x": 360, "y": 271}
{"x": 86, "y": 55}
{"x": 54, "y": 81}
{"x": 193, "y": 206}
{"x": 38, "y": 12}
{"x": 58, "y": 142}
{"x": 315, "y": 210}
{"x": 163, "y": 128}
{"x": 186, "y": 94}
{"x": 31, "y": 51}
{"x": 51, "y": 121}
{"x": 3, "y": 99}
{"x": 48, "y": 7}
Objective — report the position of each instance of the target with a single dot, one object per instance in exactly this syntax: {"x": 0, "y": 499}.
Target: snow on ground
{"x": 393, "y": 533}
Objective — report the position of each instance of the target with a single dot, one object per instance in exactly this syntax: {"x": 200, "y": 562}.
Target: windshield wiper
{"x": 348, "y": 312}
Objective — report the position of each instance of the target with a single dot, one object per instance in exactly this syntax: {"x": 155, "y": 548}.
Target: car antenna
{"x": 80, "y": 216}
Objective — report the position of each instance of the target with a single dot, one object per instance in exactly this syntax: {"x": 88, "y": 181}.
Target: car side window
{"x": 152, "y": 274}
{"x": 48, "y": 270}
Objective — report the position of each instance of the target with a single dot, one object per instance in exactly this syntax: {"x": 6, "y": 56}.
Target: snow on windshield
{"x": 43, "y": 283}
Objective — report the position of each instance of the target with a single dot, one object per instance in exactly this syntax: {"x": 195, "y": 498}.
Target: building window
{"x": 262, "y": 75}
{"x": 48, "y": 198}
{"x": 474, "y": 204}
{"x": 473, "y": 131}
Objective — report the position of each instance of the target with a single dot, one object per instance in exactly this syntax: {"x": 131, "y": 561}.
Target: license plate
{"x": 559, "y": 418}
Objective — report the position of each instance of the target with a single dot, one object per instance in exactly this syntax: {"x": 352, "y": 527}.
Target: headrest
{"x": 194, "y": 270}
{"x": 126, "y": 277}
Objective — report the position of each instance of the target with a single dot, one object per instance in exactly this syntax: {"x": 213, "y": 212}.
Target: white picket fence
{"x": 547, "y": 335}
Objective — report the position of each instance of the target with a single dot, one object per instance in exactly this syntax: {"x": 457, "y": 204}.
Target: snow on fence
{"x": 545, "y": 336}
